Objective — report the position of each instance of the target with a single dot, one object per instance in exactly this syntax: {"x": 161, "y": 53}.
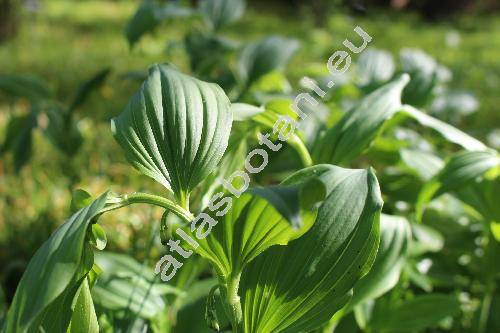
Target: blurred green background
{"x": 65, "y": 43}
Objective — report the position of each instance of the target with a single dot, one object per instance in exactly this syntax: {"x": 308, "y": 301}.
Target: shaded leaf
{"x": 24, "y": 86}
{"x": 264, "y": 56}
{"x": 391, "y": 257}
{"x": 219, "y": 13}
{"x": 18, "y": 138}
{"x": 414, "y": 315}
{"x": 458, "y": 172}
{"x": 86, "y": 88}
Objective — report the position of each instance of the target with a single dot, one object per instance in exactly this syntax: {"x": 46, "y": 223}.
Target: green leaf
{"x": 18, "y": 138}
{"x": 374, "y": 67}
{"x": 148, "y": 16}
{"x": 426, "y": 239}
{"x": 79, "y": 199}
{"x": 275, "y": 111}
{"x": 359, "y": 126}
{"x": 62, "y": 131}
{"x": 87, "y": 87}
{"x": 252, "y": 225}
{"x": 243, "y": 111}
{"x": 264, "y": 56}
{"x": 24, "y": 86}
{"x": 219, "y": 13}
{"x": 98, "y": 237}
{"x": 201, "y": 62}
{"x": 127, "y": 285}
{"x": 175, "y": 129}
{"x": 211, "y": 311}
{"x": 451, "y": 133}
{"x": 391, "y": 257}
{"x": 298, "y": 287}
{"x": 55, "y": 271}
{"x": 458, "y": 172}
{"x": 143, "y": 21}
{"x": 424, "y": 73}
{"x": 417, "y": 314}
{"x": 425, "y": 164}
{"x": 84, "y": 319}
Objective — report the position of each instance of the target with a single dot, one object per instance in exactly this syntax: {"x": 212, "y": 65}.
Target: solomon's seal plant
{"x": 306, "y": 253}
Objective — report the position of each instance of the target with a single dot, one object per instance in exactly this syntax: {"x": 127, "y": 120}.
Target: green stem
{"x": 301, "y": 149}
{"x": 485, "y": 312}
{"x": 234, "y": 302}
{"x": 151, "y": 199}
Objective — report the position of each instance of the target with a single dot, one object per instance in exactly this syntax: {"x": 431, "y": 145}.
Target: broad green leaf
{"x": 374, "y": 67}
{"x": 274, "y": 112}
{"x": 54, "y": 271}
{"x": 458, "y": 172}
{"x": 425, "y": 164}
{"x": 219, "y": 13}
{"x": 175, "y": 129}
{"x": 88, "y": 86}
{"x": 453, "y": 105}
{"x": 243, "y": 111}
{"x": 359, "y": 126}
{"x": 18, "y": 138}
{"x": 127, "y": 285}
{"x": 483, "y": 196}
{"x": 79, "y": 199}
{"x": 264, "y": 56}
{"x": 201, "y": 62}
{"x": 84, "y": 319}
{"x": 424, "y": 73}
{"x": 149, "y": 15}
{"x": 254, "y": 223}
{"x": 298, "y": 287}
{"x": 98, "y": 237}
{"x": 384, "y": 274}
{"x": 451, "y": 133}
{"x": 24, "y": 86}
{"x": 417, "y": 314}
{"x": 426, "y": 239}
{"x": 144, "y": 21}
{"x": 62, "y": 131}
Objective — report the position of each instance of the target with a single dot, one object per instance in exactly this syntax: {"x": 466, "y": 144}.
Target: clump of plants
{"x": 371, "y": 215}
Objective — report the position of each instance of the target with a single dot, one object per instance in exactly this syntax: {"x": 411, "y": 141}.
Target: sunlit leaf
{"x": 175, "y": 129}
{"x": 84, "y": 318}
{"x": 451, "y": 133}
{"x": 374, "y": 67}
{"x": 54, "y": 275}
{"x": 298, "y": 287}
{"x": 359, "y": 126}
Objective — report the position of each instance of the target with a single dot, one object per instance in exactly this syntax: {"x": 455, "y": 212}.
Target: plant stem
{"x": 485, "y": 312}
{"x": 233, "y": 300}
{"x": 301, "y": 149}
{"x": 151, "y": 199}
